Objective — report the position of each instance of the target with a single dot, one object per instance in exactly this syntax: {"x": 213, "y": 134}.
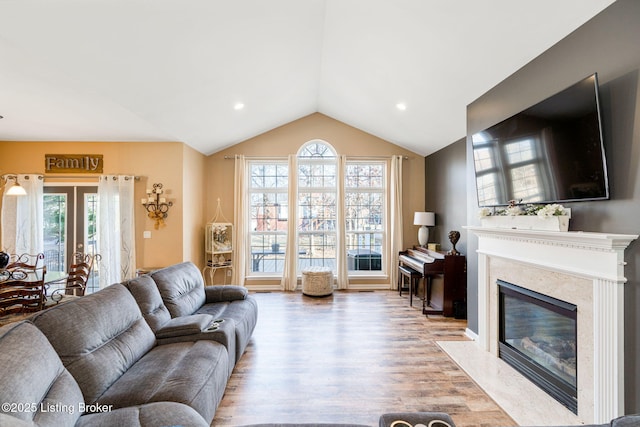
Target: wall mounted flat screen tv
{"x": 550, "y": 152}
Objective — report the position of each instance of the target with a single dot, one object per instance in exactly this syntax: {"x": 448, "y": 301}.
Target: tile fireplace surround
{"x": 582, "y": 268}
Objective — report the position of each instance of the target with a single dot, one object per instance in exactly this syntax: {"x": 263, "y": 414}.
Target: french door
{"x": 70, "y": 226}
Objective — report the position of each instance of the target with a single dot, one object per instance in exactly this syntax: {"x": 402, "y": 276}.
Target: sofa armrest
{"x": 626, "y": 421}
{"x": 184, "y": 325}
{"x": 222, "y": 293}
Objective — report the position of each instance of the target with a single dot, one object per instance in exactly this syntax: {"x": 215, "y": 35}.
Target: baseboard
{"x": 470, "y": 334}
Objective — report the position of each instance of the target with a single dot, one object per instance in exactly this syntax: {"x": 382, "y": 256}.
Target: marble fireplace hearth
{"x": 585, "y": 269}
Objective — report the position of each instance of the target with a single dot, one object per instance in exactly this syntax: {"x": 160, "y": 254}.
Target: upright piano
{"x": 430, "y": 264}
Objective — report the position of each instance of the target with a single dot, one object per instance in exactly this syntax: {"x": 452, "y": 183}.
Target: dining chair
{"x": 22, "y": 284}
{"x": 26, "y": 261}
{"x": 78, "y": 274}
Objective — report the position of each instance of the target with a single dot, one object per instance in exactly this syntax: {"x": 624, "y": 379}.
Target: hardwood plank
{"x": 348, "y": 358}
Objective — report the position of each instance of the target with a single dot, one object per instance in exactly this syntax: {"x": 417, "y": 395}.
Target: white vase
{"x": 527, "y": 222}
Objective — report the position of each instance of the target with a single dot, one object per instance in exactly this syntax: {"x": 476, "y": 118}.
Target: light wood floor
{"x": 349, "y": 358}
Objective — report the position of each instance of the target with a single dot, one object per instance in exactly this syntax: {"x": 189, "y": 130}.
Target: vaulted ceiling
{"x": 178, "y": 70}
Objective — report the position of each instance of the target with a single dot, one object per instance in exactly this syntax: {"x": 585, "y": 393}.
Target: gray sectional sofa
{"x": 153, "y": 351}
{"x": 156, "y": 350}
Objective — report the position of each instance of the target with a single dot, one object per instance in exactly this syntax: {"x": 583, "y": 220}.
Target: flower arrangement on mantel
{"x": 553, "y": 217}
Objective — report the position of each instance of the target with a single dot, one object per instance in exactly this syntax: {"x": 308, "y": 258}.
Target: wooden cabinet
{"x": 455, "y": 284}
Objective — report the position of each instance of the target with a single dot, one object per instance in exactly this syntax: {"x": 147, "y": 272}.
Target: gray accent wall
{"x": 609, "y": 44}
{"x": 445, "y": 187}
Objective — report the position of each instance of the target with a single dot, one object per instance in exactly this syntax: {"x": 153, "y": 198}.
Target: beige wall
{"x": 161, "y": 162}
{"x": 287, "y": 139}
{"x": 194, "y": 182}
{"x": 194, "y": 201}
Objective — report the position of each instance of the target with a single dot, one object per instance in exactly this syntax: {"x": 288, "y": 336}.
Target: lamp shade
{"x": 16, "y": 190}
{"x": 11, "y": 186}
{"x": 424, "y": 218}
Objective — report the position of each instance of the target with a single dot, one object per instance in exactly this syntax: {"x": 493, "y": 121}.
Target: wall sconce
{"x": 156, "y": 206}
{"x": 15, "y": 189}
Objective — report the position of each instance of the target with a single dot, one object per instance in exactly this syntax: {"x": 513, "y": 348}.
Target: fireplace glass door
{"x": 538, "y": 338}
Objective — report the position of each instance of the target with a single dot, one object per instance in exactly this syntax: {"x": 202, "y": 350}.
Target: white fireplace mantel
{"x": 596, "y": 257}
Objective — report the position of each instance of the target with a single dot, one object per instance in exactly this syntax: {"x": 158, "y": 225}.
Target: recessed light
{"x": 401, "y": 106}
{"x": 238, "y": 106}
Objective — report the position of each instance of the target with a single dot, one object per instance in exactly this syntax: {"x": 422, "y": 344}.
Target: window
{"x": 268, "y": 198}
{"x": 317, "y": 209}
{"x": 314, "y": 217}
{"x": 364, "y": 215}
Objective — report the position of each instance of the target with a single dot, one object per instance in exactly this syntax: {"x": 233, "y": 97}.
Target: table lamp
{"x": 424, "y": 220}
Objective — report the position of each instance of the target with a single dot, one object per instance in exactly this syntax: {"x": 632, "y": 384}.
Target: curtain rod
{"x": 227, "y": 157}
{"x": 81, "y": 177}
{"x": 15, "y": 175}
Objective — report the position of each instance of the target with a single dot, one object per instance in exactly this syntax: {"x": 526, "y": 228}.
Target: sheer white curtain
{"x": 397, "y": 243}
{"x": 289, "y": 280}
{"x": 240, "y": 220}
{"x": 341, "y": 247}
{"x": 22, "y": 217}
{"x": 116, "y": 230}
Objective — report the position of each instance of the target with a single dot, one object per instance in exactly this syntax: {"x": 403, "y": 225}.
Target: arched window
{"x": 327, "y": 187}
{"x": 317, "y": 208}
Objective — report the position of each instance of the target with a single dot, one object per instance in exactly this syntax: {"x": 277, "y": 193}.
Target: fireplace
{"x": 584, "y": 269}
{"x": 538, "y": 338}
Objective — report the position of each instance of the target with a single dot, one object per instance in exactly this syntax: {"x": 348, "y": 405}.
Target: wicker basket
{"x": 317, "y": 281}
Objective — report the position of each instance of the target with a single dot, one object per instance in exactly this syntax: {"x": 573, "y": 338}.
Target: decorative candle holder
{"x": 157, "y": 207}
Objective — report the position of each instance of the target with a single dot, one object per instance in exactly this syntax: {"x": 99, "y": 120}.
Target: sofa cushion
{"x": 146, "y": 293}
{"x": 184, "y": 328}
{"x": 194, "y": 373}
{"x": 223, "y": 332}
{"x": 244, "y": 314}
{"x": 222, "y": 293}
{"x": 152, "y": 414}
{"x": 185, "y": 325}
{"x": 8, "y": 420}
{"x": 35, "y": 384}
{"x": 182, "y": 288}
{"x": 98, "y": 337}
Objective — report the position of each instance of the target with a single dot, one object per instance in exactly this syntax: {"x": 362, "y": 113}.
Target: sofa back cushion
{"x": 35, "y": 387}
{"x": 182, "y": 288}
{"x": 148, "y": 297}
{"x": 98, "y": 337}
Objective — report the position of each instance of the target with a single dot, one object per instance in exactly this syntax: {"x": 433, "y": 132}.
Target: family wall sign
{"x": 73, "y": 163}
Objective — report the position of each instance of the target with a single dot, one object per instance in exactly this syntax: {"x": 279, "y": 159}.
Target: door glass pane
{"x": 55, "y": 231}
{"x": 70, "y": 226}
{"x": 90, "y": 206}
